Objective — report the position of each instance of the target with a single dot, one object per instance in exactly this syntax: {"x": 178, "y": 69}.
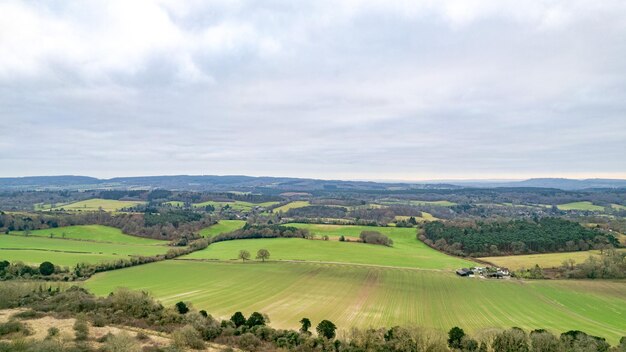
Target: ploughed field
{"x": 76, "y": 244}
{"x": 364, "y": 296}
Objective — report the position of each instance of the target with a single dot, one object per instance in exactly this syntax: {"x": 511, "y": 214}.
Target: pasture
{"x": 222, "y": 226}
{"x": 292, "y": 205}
{"x": 548, "y": 260}
{"x": 369, "y": 296}
{"x": 580, "y": 206}
{"x": 94, "y": 204}
{"x": 67, "y": 252}
{"x": 98, "y": 233}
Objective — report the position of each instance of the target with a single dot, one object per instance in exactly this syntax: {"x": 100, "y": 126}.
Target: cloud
{"x": 355, "y": 89}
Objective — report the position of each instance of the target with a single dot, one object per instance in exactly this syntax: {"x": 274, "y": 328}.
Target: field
{"x": 425, "y": 217}
{"x": 37, "y": 248}
{"x": 292, "y": 205}
{"x": 95, "y": 204}
{"x": 352, "y": 295}
{"x": 549, "y": 260}
{"x": 618, "y": 206}
{"x": 407, "y": 251}
{"x": 580, "y": 206}
{"x": 236, "y": 205}
{"x": 96, "y": 233}
{"x": 222, "y": 226}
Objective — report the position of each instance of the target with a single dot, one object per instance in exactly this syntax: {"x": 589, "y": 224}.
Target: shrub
{"x": 326, "y": 329}
{"x": 46, "y": 268}
{"x": 255, "y": 319}
{"x": 375, "y": 237}
{"x": 187, "y": 336}
{"x": 13, "y": 327}
{"x": 182, "y": 308}
{"x": 121, "y": 342}
{"x": 238, "y": 319}
{"x": 28, "y": 314}
{"x": 81, "y": 330}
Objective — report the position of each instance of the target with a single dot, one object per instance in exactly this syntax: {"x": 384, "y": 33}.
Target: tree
{"x": 326, "y": 329}
{"x": 255, "y": 319}
{"x": 342, "y": 238}
{"x": 244, "y": 255}
{"x": 512, "y": 340}
{"x": 46, "y": 268}
{"x": 455, "y": 336}
{"x": 238, "y": 319}
{"x": 263, "y": 254}
{"x": 182, "y": 308}
{"x": 306, "y": 324}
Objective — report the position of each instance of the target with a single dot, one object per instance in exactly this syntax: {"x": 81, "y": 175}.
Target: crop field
{"x": 438, "y": 203}
{"x": 292, "y": 205}
{"x": 236, "y": 205}
{"x": 222, "y": 226}
{"x": 93, "y": 205}
{"x": 425, "y": 217}
{"x": 98, "y": 233}
{"x": 580, "y": 206}
{"x": 364, "y": 296}
{"x": 406, "y": 251}
{"x": 68, "y": 252}
{"x": 548, "y": 260}
{"x": 618, "y": 206}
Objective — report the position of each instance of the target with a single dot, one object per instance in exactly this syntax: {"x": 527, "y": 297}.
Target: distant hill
{"x": 558, "y": 183}
{"x": 281, "y": 184}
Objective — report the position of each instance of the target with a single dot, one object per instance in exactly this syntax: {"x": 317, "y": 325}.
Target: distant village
{"x": 489, "y": 272}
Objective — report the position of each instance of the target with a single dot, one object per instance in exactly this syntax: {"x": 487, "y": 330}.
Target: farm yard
{"x": 369, "y": 296}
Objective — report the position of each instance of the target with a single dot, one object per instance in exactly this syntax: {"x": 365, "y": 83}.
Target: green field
{"x": 35, "y": 250}
{"x": 580, "y": 206}
{"x": 549, "y": 260}
{"x": 236, "y": 205}
{"x": 96, "y": 233}
{"x": 95, "y": 204}
{"x": 292, "y": 205}
{"x": 618, "y": 206}
{"x": 364, "y": 296}
{"x": 222, "y": 226}
{"x": 406, "y": 251}
{"x": 438, "y": 203}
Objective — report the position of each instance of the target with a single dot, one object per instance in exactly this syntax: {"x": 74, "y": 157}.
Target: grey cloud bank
{"x": 352, "y": 89}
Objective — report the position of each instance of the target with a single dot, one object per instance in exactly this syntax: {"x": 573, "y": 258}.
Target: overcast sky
{"x": 386, "y": 89}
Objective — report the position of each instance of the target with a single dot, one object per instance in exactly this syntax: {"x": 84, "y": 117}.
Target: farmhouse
{"x": 486, "y": 272}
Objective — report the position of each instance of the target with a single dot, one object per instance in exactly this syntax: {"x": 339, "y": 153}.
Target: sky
{"x": 384, "y": 90}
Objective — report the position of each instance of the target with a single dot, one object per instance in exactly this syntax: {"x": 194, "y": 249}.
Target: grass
{"x": 67, "y": 252}
{"x": 425, "y": 217}
{"x": 549, "y": 260}
{"x": 407, "y": 251}
{"x": 618, "y": 206}
{"x": 292, "y": 205}
{"x": 351, "y": 295}
{"x": 176, "y": 203}
{"x": 222, "y": 226}
{"x": 438, "y": 203}
{"x": 97, "y": 233}
{"x": 236, "y": 205}
{"x": 94, "y": 204}
{"x": 580, "y": 206}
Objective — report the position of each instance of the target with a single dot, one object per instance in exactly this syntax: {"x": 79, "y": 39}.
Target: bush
{"x": 326, "y": 329}
{"x": 255, "y": 319}
{"x": 182, "y": 308}
{"x": 28, "y": 314}
{"x": 81, "y": 330}
{"x": 46, "y": 268}
{"x": 13, "y": 327}
{"x": 375, "y": 237}
{"x": 187, "y": 336}
{"x": 121, "y": 342}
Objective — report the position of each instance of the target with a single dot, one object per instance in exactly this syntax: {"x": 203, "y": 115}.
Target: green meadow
{"x": 222, "y": 226}
{"x": 369, "y": 296}
{"x": 35, "y": 249}
{"x": 98, "y": 233}
{"x": 95, "y": 204}
{"x": 580, "y": 206}
{"x": 292, "y": 205}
